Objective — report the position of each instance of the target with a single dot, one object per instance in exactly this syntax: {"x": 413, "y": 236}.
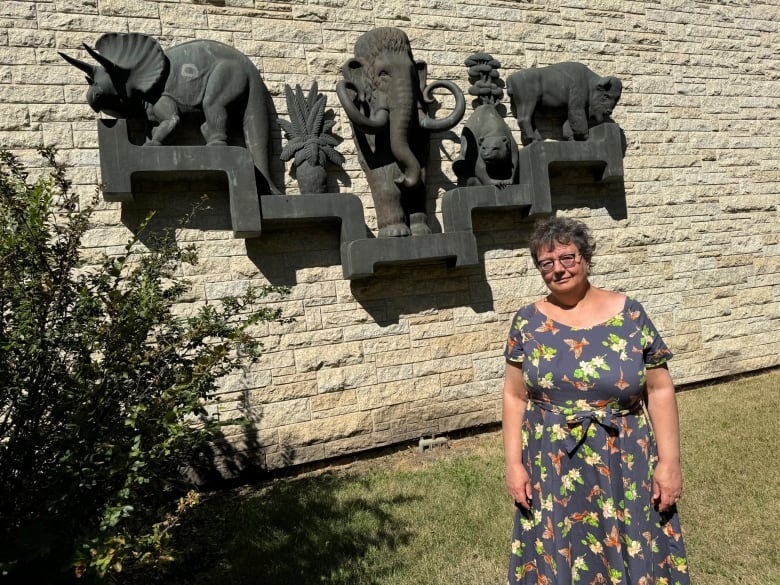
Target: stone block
{"x": 393, "y": 373}
{"x": 331, "y": 401}
{"x": 277, "y": 414}
{"x": 183, "y": 16}
{"x": 328, "y": 356}
{"x": 338, "y": 427}
{"x": 458, "y": 344}
{"x": 391, "y": 393}
{"x": 287, "y": 456}
{"x": 346, "y": 377}
{"x": 441, "y": 365}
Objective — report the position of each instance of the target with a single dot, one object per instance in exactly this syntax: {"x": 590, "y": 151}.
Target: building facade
{"x": 415, "y": 350}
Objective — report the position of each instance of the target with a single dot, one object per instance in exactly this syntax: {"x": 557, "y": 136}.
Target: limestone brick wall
{"x": 416, "y": 350}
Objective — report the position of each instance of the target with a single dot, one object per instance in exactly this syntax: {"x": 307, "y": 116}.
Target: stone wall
{"x": 416, "y": 349}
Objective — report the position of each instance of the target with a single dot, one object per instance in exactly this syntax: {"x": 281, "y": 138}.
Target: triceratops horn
{"x": 85, "y": 67}
{"x": 106, "y": 63}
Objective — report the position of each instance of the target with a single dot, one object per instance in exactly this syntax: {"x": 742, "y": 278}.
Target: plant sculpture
{"x": 310, "y": 143}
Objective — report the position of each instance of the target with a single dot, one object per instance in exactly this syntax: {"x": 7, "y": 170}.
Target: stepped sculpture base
{"x": 120, "y": 160}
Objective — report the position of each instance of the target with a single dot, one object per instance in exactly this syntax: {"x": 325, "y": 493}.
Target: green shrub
{"x": 102, "y": 386}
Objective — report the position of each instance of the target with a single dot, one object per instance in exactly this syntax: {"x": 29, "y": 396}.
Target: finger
{"x": 667, "y": 502}
{"x": 522, "y": 502}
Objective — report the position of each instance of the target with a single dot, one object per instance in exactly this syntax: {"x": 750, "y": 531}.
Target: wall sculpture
{"x": 390, "y": 106}
{"x": 488, "y": 151}
{"x": 310, "y": 143}
{"x": 583, "y": 98}
{"x": 136, "y": 79}
{"x": 386, "y": 97}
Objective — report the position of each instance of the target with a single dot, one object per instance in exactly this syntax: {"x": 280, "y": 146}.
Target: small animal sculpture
{"x": 137, "y": 79}
{"x": 488, "y": 151}
{"x": 586, "y": 98}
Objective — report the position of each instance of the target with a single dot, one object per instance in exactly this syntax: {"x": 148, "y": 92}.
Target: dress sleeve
{"x": 655, "y": 351}
{"x": 513, "y": 351}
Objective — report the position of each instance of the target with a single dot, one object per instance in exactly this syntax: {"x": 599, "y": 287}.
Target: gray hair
{"x": 561, "y": 230}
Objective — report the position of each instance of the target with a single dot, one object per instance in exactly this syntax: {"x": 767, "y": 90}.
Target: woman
{"x": 595, "y": 486}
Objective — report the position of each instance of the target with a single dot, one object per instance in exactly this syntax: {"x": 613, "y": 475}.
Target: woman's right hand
{"x": 518, "y": 484}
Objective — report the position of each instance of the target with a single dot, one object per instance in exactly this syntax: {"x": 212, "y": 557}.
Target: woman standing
{"x": 595, "y": 485}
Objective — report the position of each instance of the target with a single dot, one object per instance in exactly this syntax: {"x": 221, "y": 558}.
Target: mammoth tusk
{"x": 367, "y": 124}
{"x": 457, "y": 113}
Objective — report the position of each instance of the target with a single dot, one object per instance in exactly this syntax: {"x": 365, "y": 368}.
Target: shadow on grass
{"x": 307, "y": 530}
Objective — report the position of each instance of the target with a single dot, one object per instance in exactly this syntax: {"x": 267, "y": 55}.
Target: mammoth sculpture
{"x": 585, "y": 98}
{"x": 385, "y": 96}
{"x": 135, "y": 78}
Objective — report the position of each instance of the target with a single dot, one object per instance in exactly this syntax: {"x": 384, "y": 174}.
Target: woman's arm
{"x": 662, "y": 407}
{"x": 515, "y": 400}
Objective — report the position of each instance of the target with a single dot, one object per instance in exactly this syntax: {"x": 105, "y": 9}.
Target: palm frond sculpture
{"x": 309, "y": 142}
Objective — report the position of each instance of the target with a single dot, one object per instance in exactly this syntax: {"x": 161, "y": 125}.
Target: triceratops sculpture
{"x": 137, "y": 79}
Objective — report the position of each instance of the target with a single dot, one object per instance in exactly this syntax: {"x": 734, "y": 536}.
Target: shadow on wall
{"x": 577, "y": 187}
{"x": 438, "y": 160}
{"x": 288, "y": 248}
{"x": 172, "y": 196}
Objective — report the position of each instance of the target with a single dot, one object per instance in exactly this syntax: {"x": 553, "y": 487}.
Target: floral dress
{"x": 590, "y": 452}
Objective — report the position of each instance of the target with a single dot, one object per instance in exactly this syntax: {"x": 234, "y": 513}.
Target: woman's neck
{"x": 570, "y": 300}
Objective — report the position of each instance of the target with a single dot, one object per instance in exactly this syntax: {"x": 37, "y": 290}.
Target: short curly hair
{"x": 561, "y": 230}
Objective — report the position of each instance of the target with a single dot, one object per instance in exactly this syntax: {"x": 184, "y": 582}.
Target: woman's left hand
{"x": 667, "y": 485}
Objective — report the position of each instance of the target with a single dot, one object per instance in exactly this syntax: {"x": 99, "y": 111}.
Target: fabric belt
{"x": 577, "y": 422}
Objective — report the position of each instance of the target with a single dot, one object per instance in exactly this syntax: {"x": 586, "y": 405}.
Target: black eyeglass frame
{"x": 565, "y": 263}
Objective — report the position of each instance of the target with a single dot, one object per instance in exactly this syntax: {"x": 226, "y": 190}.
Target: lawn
{"x": 443, "y": 517}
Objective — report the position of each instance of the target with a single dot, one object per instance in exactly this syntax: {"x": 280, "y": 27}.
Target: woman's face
{"x": 561, "y": 279}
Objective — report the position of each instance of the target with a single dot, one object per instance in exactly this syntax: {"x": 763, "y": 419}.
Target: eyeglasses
{"x": 566, "y": 260}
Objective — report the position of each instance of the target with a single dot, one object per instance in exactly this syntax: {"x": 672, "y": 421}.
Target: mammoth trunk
{"x": 402, "y": 115}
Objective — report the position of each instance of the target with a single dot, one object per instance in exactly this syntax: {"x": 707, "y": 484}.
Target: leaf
{"x": 314, "y": 93}
{"x": 291, "y": 148}
{"x": 300, "y": 157}
{"x": 287, "y": 127}
{"x": 296, "y": 105}
{"x": 333, "y": 155}
{"x": 316, "y": 117}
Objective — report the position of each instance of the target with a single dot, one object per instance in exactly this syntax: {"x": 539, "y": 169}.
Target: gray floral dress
{"x": 590, "y": 452}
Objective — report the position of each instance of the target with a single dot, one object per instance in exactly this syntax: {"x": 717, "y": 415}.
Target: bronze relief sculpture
{"x": 387, "y": 99}
{"x": 310, "y": 143}
{"x": 488, "y": 150}
{"x": 204, "y": 92}
{"x": 135, "y": 78}
{"x": 571, "y": 90}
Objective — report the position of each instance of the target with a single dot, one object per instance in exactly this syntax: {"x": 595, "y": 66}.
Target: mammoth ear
{"x": 422, "y": 73}
{"x": 138, "y": 54}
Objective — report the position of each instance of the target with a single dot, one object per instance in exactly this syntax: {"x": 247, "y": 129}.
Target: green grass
{"x": 444, "y": 518}
{"x": 731, "y": 513}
